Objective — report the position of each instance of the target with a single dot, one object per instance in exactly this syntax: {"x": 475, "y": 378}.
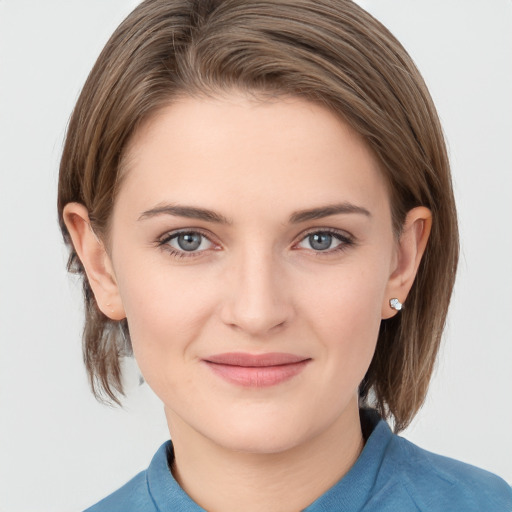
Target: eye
{"x": 186, "y": 243}
{"x": 325, "y": 241}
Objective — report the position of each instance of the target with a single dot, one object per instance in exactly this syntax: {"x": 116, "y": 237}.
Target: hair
{"x": 330, "y": 52}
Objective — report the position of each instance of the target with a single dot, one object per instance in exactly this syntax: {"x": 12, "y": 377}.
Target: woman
{"x": 258, "y": 197}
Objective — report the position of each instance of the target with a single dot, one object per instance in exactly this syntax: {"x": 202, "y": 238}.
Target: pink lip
{"x": 256, "y": 370}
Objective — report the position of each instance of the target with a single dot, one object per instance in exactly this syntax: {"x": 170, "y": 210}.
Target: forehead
{"x": 278, "y": 151}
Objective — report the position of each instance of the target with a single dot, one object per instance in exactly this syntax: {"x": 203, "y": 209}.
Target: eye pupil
{"x": 320, "y": 241}
{"x": 189, "y": 241}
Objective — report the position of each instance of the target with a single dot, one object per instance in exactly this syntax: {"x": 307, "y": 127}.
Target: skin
{"x": 255, "y": 285}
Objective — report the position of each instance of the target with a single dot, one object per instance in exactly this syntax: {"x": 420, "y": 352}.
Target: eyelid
{"x": 163, "y": 240}
{"x": 339, "y": 232}
{"x": 175, "y": 232}
{"x": 346, "y": 239}
{"x": 325, "y": 229}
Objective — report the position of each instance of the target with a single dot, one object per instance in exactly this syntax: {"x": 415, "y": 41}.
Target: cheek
{"x": 164, "y": 312}
{"x": 346, "y": 314}
{"x": 351, "y": 297}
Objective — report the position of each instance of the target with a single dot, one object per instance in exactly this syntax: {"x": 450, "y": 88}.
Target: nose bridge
{"x": 257, "y": 300}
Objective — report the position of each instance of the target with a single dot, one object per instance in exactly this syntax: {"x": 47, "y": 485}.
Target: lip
{"x": 256, "y": 370}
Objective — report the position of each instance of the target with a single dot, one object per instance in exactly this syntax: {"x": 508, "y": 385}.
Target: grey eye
{"x": 320, "y": 241}
{"x": 189, "y": 241}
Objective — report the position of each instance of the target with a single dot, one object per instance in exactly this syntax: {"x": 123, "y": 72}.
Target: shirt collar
{"x": 350, "y": 493}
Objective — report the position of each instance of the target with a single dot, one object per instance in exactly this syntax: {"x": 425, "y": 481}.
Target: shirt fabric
{"x": 390, "y": 475}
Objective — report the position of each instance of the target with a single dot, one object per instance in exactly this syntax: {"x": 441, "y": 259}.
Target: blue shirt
{"x": 390, "y": 475}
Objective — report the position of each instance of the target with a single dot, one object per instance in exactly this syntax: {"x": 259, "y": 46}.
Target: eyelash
{"x": 346, "y": 242}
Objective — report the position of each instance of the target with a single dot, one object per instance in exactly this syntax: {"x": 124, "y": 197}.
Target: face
{"x": 252, "y": 247}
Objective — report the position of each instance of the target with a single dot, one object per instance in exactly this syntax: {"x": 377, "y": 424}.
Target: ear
{"x": 410, "y": 249}
{"x": 95, "y": 259}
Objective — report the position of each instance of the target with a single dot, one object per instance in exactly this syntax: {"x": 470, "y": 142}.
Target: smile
{"x": 261, "y": 370}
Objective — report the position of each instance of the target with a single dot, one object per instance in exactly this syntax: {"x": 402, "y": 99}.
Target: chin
{"x": 261, "y": 443}
{"x": 258, "y": 436}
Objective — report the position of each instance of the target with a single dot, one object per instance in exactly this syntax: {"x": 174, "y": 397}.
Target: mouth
{"x": 256, "y": 370}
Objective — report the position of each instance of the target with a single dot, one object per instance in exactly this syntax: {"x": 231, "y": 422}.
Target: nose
{"x": 256, "y": 295}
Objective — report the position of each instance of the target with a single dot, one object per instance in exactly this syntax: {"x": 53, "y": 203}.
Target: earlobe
{"x": 410, "y": 249}
{"x": 94, "y": 258}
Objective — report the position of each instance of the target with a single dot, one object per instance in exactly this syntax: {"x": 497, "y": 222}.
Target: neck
{"x": 220, "y": 479}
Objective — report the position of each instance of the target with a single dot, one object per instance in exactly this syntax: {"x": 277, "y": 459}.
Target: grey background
{"x": 62, "y": 451}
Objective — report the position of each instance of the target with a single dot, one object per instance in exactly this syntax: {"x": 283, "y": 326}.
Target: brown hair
{"x": 327, "y": 51}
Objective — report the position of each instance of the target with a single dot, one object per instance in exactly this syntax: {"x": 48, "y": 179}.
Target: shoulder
{"x": 140, "y": 493}
{"x": 151, "y": 490}
{"x": 437, "y": 483}
{"x": 133, "y": 496}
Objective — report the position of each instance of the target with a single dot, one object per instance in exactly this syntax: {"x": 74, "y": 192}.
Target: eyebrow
{"x": 192, "y": 212}
{"x": 326, "y": 211}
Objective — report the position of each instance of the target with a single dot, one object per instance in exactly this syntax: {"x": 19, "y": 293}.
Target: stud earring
{"x": 395, "y": 304}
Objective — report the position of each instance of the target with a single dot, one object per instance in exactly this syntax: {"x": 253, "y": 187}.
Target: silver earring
{"x": 396, "y": 304}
